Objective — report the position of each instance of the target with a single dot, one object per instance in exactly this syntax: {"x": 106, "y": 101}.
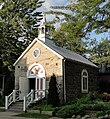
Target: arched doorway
{"x": 36, "y": 77}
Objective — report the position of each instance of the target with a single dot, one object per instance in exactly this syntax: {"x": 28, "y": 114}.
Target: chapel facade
{"x": 75, "y": 74}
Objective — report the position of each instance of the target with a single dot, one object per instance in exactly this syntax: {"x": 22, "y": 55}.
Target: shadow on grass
{"x": 2, "y": 110}
{"x": 34, "y": 115}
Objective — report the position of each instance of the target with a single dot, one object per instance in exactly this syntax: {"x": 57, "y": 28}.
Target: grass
{"x": 2, "y": 110}
{"x": 43, "y": 107}
{"x": 34, "y": 115}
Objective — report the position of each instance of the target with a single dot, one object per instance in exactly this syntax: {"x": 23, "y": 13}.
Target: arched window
{"x": 84, "y": 81}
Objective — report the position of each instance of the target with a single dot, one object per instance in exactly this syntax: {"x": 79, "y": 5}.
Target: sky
{"x": 46, "y": 7}
{"x": 49, "y": 3}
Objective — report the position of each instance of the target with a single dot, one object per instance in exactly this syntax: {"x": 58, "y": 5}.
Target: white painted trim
{"x": 26, "y": 50}
{"x": 82, "y": 76}
{"x": 44, "y": 86}
{"x": 32, "y": 43}
{"x": 33, "y": 65}
{"x": 60, "y": 56}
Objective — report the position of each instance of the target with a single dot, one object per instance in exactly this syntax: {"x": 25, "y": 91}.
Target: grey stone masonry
{"x": 73, "y": 78}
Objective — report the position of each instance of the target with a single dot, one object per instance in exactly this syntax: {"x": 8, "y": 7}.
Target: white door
{"x": 23, "y": 87}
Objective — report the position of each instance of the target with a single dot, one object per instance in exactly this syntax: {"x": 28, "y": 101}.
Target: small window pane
{"x": 84, "y": 83}
{"x": 84, "y": 74}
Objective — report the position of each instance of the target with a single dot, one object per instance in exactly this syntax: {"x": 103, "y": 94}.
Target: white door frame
{"x": 40, "y": 88}
{"x": 31, "y": 73}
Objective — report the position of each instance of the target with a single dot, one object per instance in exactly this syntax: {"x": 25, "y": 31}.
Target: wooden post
{"x": 6, "y": 102}
{"x": 24, "y": 105}
{"x": 14, "y": 95}
{"x": 32, "y": 95}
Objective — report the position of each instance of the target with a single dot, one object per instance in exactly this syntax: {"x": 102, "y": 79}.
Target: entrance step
{"x": 16, "y": 107}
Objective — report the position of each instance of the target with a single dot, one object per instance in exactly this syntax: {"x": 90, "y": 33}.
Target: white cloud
{"x": 49, "y": 3}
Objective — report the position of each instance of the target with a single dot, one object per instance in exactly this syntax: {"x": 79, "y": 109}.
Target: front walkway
{"x": 11, "y": 115}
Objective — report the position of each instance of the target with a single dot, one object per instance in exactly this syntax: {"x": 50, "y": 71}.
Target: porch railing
{"x": 28, "y": 100}
{"x": 39, "y": 94}
{"x": 13, "y": 97}
{"x": 33, "y": 96}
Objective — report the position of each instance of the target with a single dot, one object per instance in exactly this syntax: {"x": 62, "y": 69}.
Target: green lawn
{"x": 34, "y": 115}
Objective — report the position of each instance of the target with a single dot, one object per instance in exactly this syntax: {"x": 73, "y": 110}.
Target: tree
{"x": 18, "y": 26}
{"x": 100, "y": 51}
{"x": 53, "y": 96}
{"x": 83, "y": 18}
{"x": 9, "y": 84}
{"x": 67, "y": 36}
{"x": 93, "y": 14}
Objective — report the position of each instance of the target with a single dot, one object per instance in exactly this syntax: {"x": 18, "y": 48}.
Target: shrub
{"x": 94, "y": 96}
{"x": 53, "y": 96}
{"x": 100, "y": 114}
{"x": 54, "y": 113}
{"x": 103, "y": 113}
{"x": 98, "y": 107}
{"x": 79, "y": 106}
{"x": 69, "y": 110}
{"x": 84, "y": 100}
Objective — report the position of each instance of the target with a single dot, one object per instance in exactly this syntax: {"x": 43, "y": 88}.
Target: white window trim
{"x": 39, "y": 52}
{"x": 82, "y": 76}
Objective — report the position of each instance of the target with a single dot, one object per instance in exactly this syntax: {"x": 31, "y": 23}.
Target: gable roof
{"x": 68, "y": 54}
{"x": 61, "y": 52}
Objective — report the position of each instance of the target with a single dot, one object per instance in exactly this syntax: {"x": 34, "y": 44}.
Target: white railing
{"x": 33, "y": 96}
{"x": 13, "y": 97}
{"x": 39, "y": 94}
{"x": 28, "y": 100}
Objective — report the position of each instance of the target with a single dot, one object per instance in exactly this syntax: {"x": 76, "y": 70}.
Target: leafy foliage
{"x": 81, "y": 17}
{"x": 68, "y": 35}
{"x": 80, "y": 106}
{"x": 103, "y": 114}
{"x": 69, "y": 110}
{"x": 18, "y": 26}
{"x": 9, "y": 83}
{"x": 100, "y": 51}
{"x": 93, "y": 14}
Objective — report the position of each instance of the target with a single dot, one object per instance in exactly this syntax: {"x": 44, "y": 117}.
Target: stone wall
{"x": 48, "y": 59}
{"x": 73, "y": 78}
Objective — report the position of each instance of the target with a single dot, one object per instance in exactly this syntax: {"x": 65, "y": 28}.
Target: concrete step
{"x": 16, "y": 107}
